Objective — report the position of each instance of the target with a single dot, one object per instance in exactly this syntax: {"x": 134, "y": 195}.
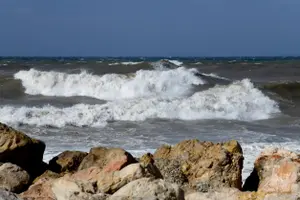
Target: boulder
{"x": 108, "y": 159}
{"x": 40, "y": 190}
{"x": 204, "y": 164}
{"x": 171, "y": 171}
{"x": 109, "y": 182}
{"x": 63, "y": 188}
{"x": 13, "y": 178}
{"x": 147, "y": 188}
{"x": 275, "y": 171}
{"x": 6, "y": 195}
{"x": 87, "y": 196}
{"x": 20, "y": 149}
{"x": 147, "y": 162}
{"x": 112, "y": 181}
{"x": 67, "y": 161}
{"x": 89, "y": 174}
{"x": 47, "y": 175}
{"x": 224, "y": 193}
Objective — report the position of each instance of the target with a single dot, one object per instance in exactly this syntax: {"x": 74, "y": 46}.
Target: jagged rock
{"x": 6, "y": 195}
{"x": 108, "y": 159}
{"x": 275, "y": 171}
{"x": 13, "y": 178}
{"x": 20, "y": 149}
{"x": 147, "y": 162}
{"x": 205, "y": 165}
{"x": 171, "y": 171}
{"x": 147, "y": 188}
{"x": 67, "y": 161}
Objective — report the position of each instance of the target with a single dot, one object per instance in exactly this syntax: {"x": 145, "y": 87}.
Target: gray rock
{"x": 6, "y": 195}
{"x": 13, "y": 178}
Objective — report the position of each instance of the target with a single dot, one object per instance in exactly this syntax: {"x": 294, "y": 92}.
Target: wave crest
{"x": 143, "y": 83}
{"x": 237, "y": 101}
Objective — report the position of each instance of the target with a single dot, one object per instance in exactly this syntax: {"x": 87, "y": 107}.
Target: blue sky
{"x": 149, "y": 28}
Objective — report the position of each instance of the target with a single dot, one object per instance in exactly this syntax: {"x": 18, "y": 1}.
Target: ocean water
{"x": 141, "y": 103}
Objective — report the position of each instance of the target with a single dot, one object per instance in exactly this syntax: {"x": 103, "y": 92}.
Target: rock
{"x": 171, "y": 171}
{"x": 48, "y": 175}
{"x": 86, "y": 196}
{"x": 147, "y": 188}
{"x": 40, "y": 190}
{"x": 13, "y": 178}
{"x": 108, "y": 159}
{"x": 6, "y": 195}
{"x": 147, "y": 162}
{"x": 205, "y": 165}
{"x": 19, "y": 149}
{"x": 224, "y": 193}
{"x": 89, "y": 174}
{"x": 67, "y": 161}
{"x": 275, "y": 171}
{"x": 111, "y": 182}
{"x": 64, "y": 188}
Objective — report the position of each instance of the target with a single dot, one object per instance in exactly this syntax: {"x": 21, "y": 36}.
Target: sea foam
{"x": 237, "y": 101}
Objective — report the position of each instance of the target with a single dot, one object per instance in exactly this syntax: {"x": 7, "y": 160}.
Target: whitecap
{"x": 237, "y": 101}
{"x": 143, "y": 83}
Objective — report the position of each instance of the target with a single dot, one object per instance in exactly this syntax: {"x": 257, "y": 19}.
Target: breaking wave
{"x": 237, "y": 101}
{"x": 144, "y": 83}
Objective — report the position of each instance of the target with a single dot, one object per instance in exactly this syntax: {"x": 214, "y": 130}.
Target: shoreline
{"x": 191, "y": 169}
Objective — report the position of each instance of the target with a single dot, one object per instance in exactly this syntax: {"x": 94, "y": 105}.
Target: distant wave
{"x": 125, "y": 63}
{"x": 176, "y": 62}
{"x": 237, "y": 101}
{"x": 143, "y": 83}
{"x": 214, "y": 76}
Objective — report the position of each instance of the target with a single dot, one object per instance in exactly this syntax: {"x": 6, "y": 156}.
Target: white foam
{"x": 175, "y": 62}
{"x": 238, "y": 101}
{"x": 143, "y": 83}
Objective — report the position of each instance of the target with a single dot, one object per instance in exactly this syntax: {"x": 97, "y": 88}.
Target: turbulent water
{"x": 140, "y": 103}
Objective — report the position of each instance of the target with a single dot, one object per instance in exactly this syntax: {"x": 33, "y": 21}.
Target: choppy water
{"x": 140, "y": 103}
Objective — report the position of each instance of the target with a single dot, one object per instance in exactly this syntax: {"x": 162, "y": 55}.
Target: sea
{"x": 140, "y": 103}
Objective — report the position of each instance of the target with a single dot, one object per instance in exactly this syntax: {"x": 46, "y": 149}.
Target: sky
{"x": 150, "y": 28}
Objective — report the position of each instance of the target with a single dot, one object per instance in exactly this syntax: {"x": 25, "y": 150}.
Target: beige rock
{"x": 89, "y": 174}
{"x": 64, "y": 188}
{"x": 13, "y": 178}
{"x": 67, "y": 161}
{"x": 111, "y": 182}
{"x": 108, "y": 159}
{"x": 87, "y": 196}
{"x": 147, "y": 188}
{"x": 41, "y": 190}
{"x": 19, "y": 149}
{"x": 222, "y": 194}
{"x": 205, "y": 165}
{"x": 48, "y": 175}
{"x": 275, "y": 171}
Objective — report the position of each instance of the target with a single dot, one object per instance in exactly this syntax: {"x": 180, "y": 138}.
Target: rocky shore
{"x": 189, "y": 170}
